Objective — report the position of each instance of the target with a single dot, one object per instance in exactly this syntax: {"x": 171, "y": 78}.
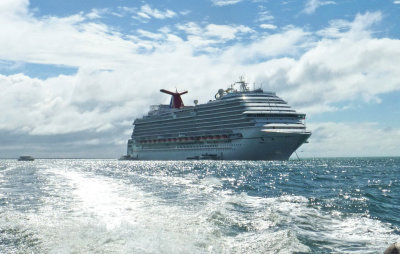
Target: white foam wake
{"x": 86, "y": 212}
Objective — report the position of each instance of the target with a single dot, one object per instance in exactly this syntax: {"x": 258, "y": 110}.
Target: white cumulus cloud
{"x": 225, "y": 2}
{"x": 355, "y": 139}
{"x": 202, "y": 36}
{"x": 313, "y": 5}
{"x": 119, "y": 75}
{"x": 268, "y": 26}
{"x": 147, "y": 12}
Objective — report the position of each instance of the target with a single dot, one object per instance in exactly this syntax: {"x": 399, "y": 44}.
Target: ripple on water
{"x": 105, "y": 206}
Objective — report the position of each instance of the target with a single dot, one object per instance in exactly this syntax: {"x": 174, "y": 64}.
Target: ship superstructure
{"x": 240, "y": 124}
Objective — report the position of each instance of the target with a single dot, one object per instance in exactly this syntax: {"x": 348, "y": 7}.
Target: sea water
{"x": 349, "y": 205}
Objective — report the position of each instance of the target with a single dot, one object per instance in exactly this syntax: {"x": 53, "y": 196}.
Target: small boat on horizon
{"x": 126, "y": 158}
{"x": 26, "y": 158}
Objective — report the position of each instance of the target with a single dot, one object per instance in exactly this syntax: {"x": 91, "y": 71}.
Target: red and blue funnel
{"x": 176, "y": 100}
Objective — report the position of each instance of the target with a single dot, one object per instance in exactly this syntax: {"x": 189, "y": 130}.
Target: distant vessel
{"x": 25, "y": 158}
{"x": 240, "y": 124}
{"x": 125, "y": 158}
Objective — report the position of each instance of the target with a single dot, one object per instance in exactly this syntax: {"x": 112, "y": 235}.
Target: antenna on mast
{"x": 243, "y": 84}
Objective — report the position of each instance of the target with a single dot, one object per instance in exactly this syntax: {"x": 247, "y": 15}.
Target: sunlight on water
{"x": 104, "y": 206}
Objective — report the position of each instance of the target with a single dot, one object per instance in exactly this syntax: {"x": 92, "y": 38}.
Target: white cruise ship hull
{"x": 255, "y": 144}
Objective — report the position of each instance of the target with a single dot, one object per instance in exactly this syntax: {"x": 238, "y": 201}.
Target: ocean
{"x": 335, "y": 205}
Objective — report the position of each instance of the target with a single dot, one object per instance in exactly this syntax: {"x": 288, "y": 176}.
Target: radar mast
{"x": 243, "y": 84}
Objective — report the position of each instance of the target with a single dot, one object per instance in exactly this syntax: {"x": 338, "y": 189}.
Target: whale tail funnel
{"x": 176, "y": 100}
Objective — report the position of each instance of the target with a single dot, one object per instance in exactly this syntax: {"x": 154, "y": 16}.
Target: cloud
{"x": 185, "y": 12}
{"x": 70, "y": 41}
{"x": 211, "y": 34}
{"x": 268, "y": 26}
{"x": 264, "y": 15}
{"x": 150, "y": 35}
{"x": 119, "y": 75}
{"x": 146, "y": 12}
{"x": 96, "y": 13}
{"x": 322, "y": 75}
{"x": 265, "y": 48}
{"x": 225, "y": 32}
{"x": 345, "y": 68}
{"x": 313, "y": 5}
{"x": 225, "y": 2}
{"x": 396, "y": 2}
{"x": 355, "y": 139}
{"x": 9, "y": 8}
{"x": 70, "y": 104}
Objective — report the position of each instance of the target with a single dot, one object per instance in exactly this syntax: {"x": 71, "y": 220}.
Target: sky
{"x": 75, "y": 74}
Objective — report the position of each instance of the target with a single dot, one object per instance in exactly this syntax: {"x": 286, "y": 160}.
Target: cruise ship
{"x": 239, "y": 124}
